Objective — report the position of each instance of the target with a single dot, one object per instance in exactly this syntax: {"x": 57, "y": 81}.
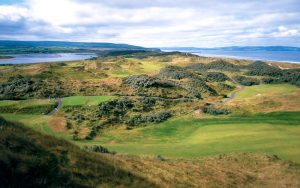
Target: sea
{"x": 45, "y": 58}
{"x": 277, "y": 56}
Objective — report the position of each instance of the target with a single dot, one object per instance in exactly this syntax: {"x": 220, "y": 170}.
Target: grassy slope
{"x": 29, "y": 159}
{"x": 266, "y": 90}
{"x": 275, "y": 133}
{"x": 85, "y": 100}
{"x": 266, "y": 98}
{"x": 61, "y": 164}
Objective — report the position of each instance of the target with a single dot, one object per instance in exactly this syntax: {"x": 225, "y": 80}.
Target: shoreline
{"x": 248, "y": 59}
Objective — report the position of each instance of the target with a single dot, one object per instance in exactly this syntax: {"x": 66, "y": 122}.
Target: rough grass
{"x": 61, "y": 164}
{"x": 274, "y": 133}
{"x": 266, "y": 90}
{"x": 84, "y": 100}
{"x": 32, "y": 106}
{"x": 266, "y": 98}
{"x": 26, "y": 103}
{"x": 29, "y": 159}
{"x": 38, "y": 123}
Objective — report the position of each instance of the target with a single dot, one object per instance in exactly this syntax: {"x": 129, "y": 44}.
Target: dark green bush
{"x": 151, "y": 118}
{"x": 143, "y": 81}
{"x": 175, "y": 72}
{"x": 98, "y": 149}
{"x": 246, "y": 81}
{"x": 259, "y": 68}
{"x": 216, "y": 77}
{"x": 215, "y": 111}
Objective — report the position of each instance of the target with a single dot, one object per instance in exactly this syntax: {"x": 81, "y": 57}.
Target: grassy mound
{"x": 29, "y": 159}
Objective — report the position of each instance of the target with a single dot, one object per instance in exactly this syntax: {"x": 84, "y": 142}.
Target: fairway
{"x": 274, "y": 133}
{"x": 38, "y": 123}
{"x": 266, "y": 90}
{"x": 26, "y": 103}
{"x": 84, "y": 100}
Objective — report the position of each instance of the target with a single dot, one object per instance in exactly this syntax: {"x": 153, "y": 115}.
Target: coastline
{"x": 245, "y": 58}
{"x": 6, "y": 57}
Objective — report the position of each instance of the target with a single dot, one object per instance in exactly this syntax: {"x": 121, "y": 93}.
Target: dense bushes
{"x": 17, "y": 88}
{"x": 259, "y": 68}
{"x": 216, "y": 77}
{"x": 223, "y": 65}
{"x": 246, "y": 81}
{"x": 143, "y": 81}
{"x": 174, "y": 72}
{"x": 20, "y": 87}
{"x": 215, "y": 111}
{"x": 147, "y": 103}
{"x": 198, "y": 86}
{"x": 215, "y": 65}
{"x": 121, "y": 110}
{"x": 116, "y": 107}
{"x": 151, "y": 118}
{"x": 98, "y": 149}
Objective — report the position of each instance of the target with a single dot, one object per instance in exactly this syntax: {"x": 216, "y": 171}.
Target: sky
{"x": 154, "y": 23}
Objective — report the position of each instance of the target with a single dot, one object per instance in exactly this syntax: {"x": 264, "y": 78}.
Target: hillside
{"x": 23, "y": 47}
{"x": 29, "y": 159}
{"x": 237, "y": 48}
{"x": 169, "y": 119}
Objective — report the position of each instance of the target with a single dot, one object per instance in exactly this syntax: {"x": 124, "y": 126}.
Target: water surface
{"x": 44, "y": 58}
{"x": 279, "y": 56}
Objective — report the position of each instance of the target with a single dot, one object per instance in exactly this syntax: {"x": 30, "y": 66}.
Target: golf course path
{"x": 233, "y": 94}
{"x": 59, "y": 104}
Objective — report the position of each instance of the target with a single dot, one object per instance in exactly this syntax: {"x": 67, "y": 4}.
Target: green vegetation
{"x": 274, "y": 133}
{"x": 168, "y": 105}
{"x": 246, "y": 81}
{"x": 216, "y": 77}
{"x": 215, "y": 111}
{"x": 29, "y": 159}
{"x": 265, "y": 90}
{"x": 32, "y": 106}
{"x": 84, "y": 100}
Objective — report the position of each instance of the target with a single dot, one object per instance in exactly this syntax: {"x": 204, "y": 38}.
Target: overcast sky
{"x": 154, "y": 23}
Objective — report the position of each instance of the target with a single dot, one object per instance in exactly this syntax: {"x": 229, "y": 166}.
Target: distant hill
{"x": 12, "y": 47}
{"x": 237, "y": 48}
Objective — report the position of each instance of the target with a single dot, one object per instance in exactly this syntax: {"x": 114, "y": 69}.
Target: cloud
{"x": 154, "y": 22}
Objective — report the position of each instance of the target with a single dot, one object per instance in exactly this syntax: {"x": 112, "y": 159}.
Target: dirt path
{"x": 59, "y": 105}
{"x": 233, "y": 94}
{"x": 198, "y": 113}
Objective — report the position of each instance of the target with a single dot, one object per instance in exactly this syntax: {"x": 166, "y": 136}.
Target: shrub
{"x": 215, "y": 111}
{"x": 98, "y": 149}
{"x": 147, "y": 103}
{"x": 216, "y": 77}
{"x": 174, "y": 72}
{"x": 259, "y": 68}
{"x": 246, "y": 81}
{"x": 151, "y": 118}
{"x": 117, "y": 107}
{"x": 143, "y": 81}
{"x": 223, "y": 65}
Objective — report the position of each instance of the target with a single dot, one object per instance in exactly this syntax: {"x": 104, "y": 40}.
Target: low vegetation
{"x": 60, "y": 163}
{"x": 173, "y": 110}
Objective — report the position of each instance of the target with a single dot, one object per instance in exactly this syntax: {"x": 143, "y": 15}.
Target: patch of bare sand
{"x": 58, "y": 123}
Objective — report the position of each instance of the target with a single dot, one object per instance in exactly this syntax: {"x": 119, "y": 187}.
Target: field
{"x": 266, "y": 90}
{"x": 84, "y": 100}
{"x": 162, "y": 117}
{"x": 275, "y": 133}
{"x": 266, "y": 98}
